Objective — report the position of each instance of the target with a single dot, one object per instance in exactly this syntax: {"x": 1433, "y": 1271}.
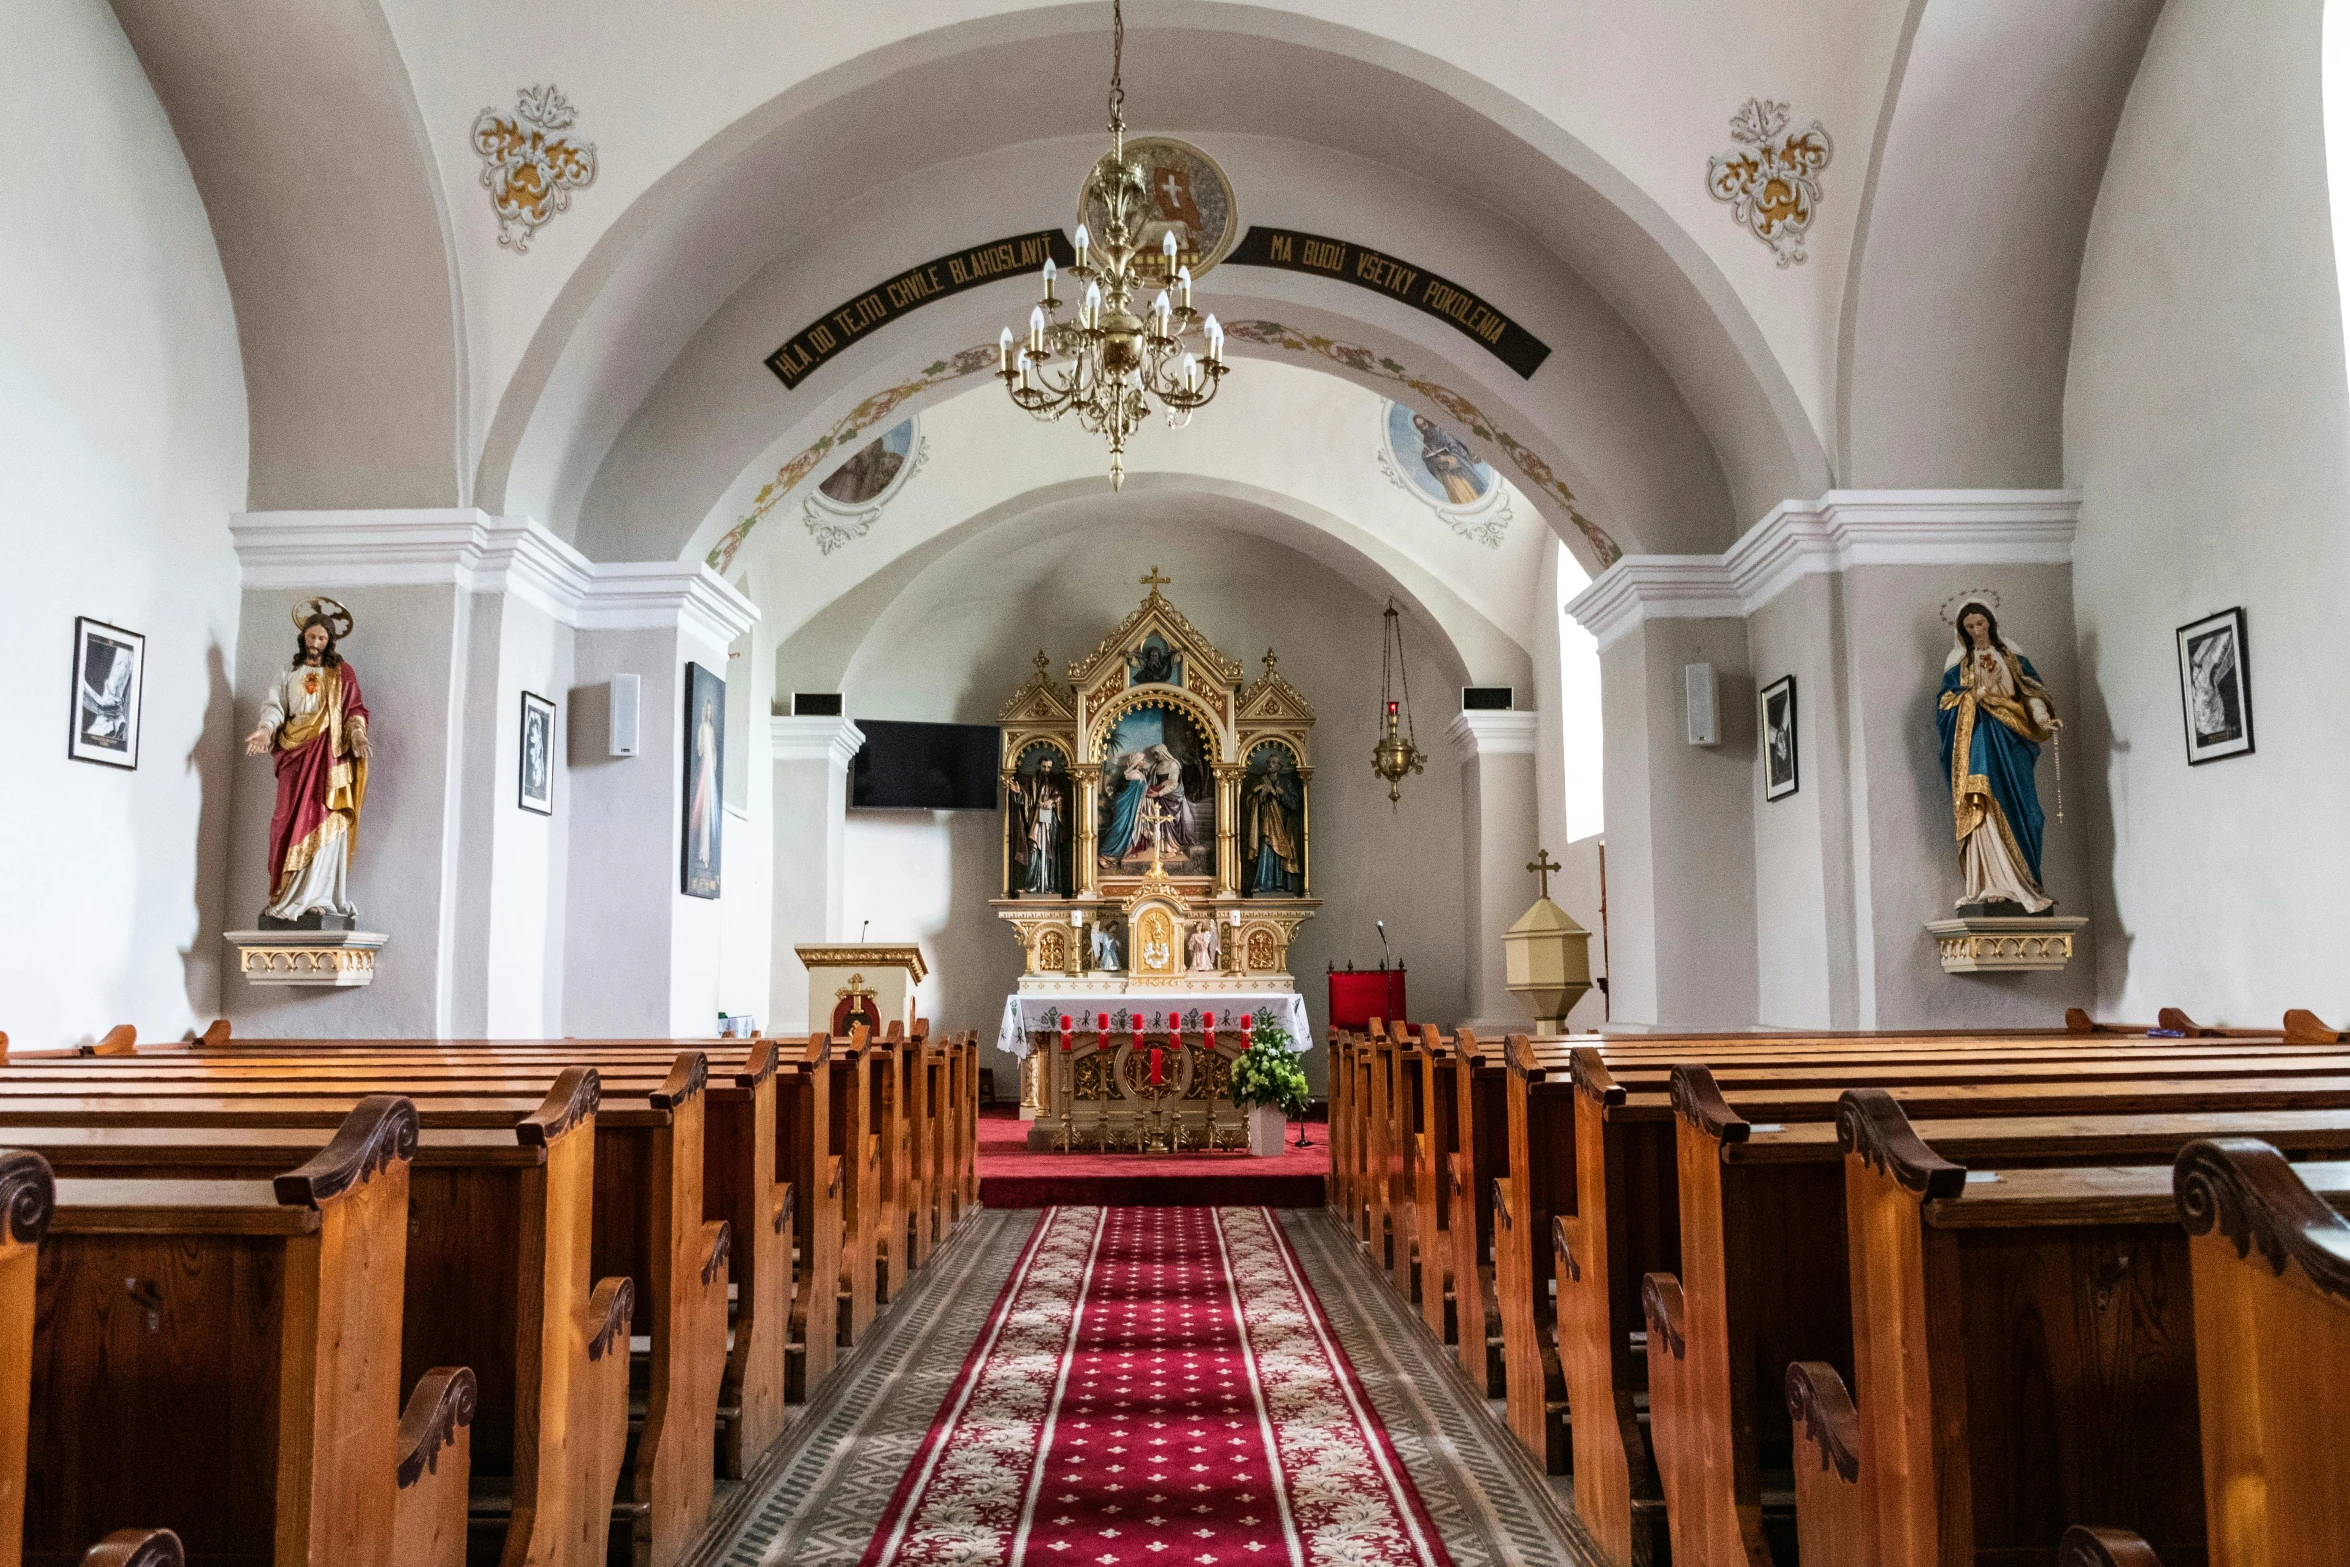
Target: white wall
{"x": 122, "y": 452}
{"x": 2205, "y": 422}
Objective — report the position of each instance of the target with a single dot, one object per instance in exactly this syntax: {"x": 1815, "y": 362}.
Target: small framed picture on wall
{"x": 536, "y": 791}
{"x": 1779, "y": 736}
{"x": 705, "y": 765}
{"x": 109, "y": 667}
{"x": 2215, "y": 687}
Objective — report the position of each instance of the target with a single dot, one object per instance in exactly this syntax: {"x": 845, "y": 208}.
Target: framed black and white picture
{"x": 1778, "y": 737}
{"x": 705, "y": 764}
{"x": 109, "y": 667}
{"x": 536, "y": 791}
{"x": 2215, "y": 687}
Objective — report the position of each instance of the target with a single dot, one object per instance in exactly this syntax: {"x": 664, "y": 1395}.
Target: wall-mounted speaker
{"x": 1704, "y": 709}
{"x": 1488, "y": 699}
{"x": 815, "y": 704}
{"x": 628, "y": 700}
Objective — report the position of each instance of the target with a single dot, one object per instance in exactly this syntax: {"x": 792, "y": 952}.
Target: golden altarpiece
{"x": 1156, "y": 866}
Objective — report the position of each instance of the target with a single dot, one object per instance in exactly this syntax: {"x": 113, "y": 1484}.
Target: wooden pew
{"x": 2270, "y": 1257}
{"x": 1536, "y": 1191}
{"x": 249, "y": 1370}
{"x": 1342, "y": 1102}
{"x": 813, "y": 1167}
{"x": 1619, "y": 1216}
{"x": 851, "y": 1099}
{"x": 499, "y": 1244}
{"x": 2025, "y": 1350}
{"x": 1431, "y": 1063}
{"x": 1479, "y": 1153}
{"x": 28, "y": 1200}
{"x": 749, "y": 1178}
{"x": 1406, "y": 1062}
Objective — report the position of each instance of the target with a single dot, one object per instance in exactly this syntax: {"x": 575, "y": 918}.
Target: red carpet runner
{"x": 1157, "y": 1387}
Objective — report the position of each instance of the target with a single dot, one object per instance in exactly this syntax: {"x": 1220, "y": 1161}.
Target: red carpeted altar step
{"x": 1010, "y": 1176}
{"x": 1156, "y": 1387}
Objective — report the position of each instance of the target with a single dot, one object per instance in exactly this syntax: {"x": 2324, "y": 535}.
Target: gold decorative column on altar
{"x": 1157, "y": 833}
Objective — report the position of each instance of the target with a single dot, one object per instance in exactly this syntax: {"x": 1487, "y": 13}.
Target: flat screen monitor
{"x": 933, "y": 767}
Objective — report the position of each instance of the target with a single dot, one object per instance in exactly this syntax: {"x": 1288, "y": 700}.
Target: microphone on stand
{"x": 1385, "y": 959}
{"x": 868, "y": 925}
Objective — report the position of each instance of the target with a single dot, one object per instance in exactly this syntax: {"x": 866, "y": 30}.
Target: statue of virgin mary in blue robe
{"x": 1994, "y": 715}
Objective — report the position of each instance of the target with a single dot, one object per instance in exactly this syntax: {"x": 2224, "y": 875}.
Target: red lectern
{"x": 1359, "y": 995}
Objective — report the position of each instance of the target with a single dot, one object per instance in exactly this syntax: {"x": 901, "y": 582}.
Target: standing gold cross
{"x": 1154, "y": 581}
{"x": 1542, "y": 865}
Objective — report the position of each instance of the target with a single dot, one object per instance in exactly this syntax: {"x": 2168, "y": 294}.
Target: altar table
{"x": 1026, "y": 1017}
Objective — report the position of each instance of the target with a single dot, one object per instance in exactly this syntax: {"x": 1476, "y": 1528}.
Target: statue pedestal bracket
{"x": 337, "y": 959}
{"x": 2005, "y": 944}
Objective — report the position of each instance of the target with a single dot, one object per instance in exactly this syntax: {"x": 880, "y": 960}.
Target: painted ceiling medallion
{"x": 847, "y": 504}
{"x": 1772, "y": 181}
{"x": 528, "y": 166}
{"x": 1436, "y": 468}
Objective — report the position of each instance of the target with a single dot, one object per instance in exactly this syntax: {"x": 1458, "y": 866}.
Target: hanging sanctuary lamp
{"x": 1109, "y": 365}
{"x": 1395, "y": 754}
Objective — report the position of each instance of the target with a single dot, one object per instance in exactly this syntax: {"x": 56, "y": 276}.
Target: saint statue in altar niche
{"x": 1273, "y": 813}
{"x": 315, "y": 722}
{"x": 1994, "y": 715}
{"x": 1105, "y": 949}
{"x": 1203, "y": 946}
{"x": 1039, "y": 802}
{"x": 1155, "y": 756}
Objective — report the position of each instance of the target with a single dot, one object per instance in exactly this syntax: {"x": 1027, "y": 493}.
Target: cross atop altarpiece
{"x": 1153, "y": 581}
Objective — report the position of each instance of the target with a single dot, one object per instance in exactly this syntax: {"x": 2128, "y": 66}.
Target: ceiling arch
{"x": 961, "y": 564}
{"x": 1292, "y": 456}
{"x": 1957, "y": 325}
{"x": 769, "y": 193}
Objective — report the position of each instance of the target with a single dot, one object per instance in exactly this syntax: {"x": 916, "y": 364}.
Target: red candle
{"x": 1066, "y": 1020}
{"x": 1101, "y": 1030}
{"x": 1138, "y": 1030}
{"x": 1211, "y": 1032}
{"x": 1158, "y": 1066}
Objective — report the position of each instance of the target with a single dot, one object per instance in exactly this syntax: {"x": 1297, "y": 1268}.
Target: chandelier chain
{"x": 1117, "y": 64}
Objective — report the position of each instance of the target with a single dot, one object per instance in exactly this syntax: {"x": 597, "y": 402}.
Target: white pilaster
{"x": 811, "y": 758}
{"x": 1499, "y": 825}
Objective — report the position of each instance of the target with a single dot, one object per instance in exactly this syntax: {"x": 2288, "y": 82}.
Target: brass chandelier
{"x": 1110, "y": 364}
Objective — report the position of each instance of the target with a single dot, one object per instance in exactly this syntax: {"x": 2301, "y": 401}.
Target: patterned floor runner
{"x": 1156, "y": 1386}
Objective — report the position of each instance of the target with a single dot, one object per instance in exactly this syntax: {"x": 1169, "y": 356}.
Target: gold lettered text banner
{"x": 910, "y": 290}
{"x": 1418, "y": 287}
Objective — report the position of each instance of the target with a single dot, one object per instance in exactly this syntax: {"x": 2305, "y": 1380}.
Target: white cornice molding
{"x": 1486, "y": 732}
{"x": 467, "y": 548}
{"x": 833, "y": 740}
{"x": 655, "y": 595}
{"x": 1658, "y": 587}
{"x": 1841, "y": 530}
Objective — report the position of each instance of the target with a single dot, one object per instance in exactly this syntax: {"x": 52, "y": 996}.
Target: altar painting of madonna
{"x": 1273, "y": 825}
{"x": 1155, "y": 771}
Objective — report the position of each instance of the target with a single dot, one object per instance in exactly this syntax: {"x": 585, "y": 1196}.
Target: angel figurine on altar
{"x": 1203, "y": 947}
{"x": 1105, "y": 949}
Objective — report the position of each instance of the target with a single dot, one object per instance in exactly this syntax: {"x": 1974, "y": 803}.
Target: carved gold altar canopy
{"x": 1158, "y": 798}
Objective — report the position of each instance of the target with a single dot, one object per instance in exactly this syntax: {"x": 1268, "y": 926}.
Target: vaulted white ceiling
{"x": 757, "y": 165}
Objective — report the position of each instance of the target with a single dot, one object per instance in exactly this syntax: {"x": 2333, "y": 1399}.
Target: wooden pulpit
{"x": 872, "y": 985}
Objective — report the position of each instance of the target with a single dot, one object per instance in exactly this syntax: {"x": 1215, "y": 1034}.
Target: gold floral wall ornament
{"x": 1772, "y": 181}
{"x": 528, "y": 166}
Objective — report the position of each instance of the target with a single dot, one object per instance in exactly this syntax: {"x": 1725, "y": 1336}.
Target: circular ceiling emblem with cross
{"x": 1189, "y": 198}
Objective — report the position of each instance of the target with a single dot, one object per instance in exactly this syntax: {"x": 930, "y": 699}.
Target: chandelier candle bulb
{"x": 1084, "y": 246}
{"x": 1004, "y": 354}
{"x": 1048, "y": 280}
{"x": 1036, "y": 330}
{"x": 1183, "y": 287}
{"x": 1093, "y": 305}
